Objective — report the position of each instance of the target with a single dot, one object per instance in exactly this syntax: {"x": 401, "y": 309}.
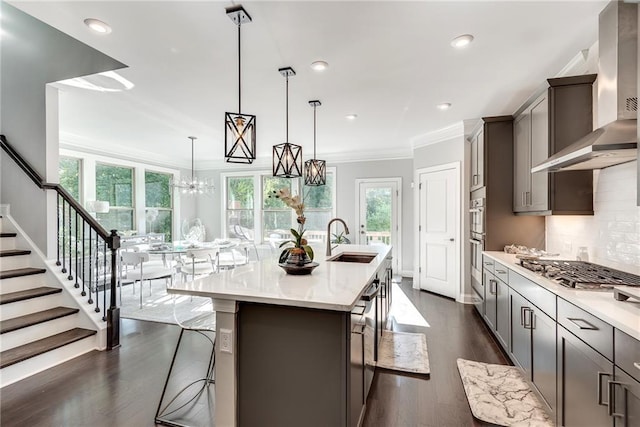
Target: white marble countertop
{"x": 331, "y": 286}
{"x": 623, "y": 315}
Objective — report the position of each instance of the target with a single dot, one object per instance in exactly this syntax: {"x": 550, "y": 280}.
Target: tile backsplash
{"x": 612, "y": 235}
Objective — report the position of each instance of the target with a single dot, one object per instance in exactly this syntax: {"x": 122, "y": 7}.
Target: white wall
{"x": 32, "y": 55}
{"x": 613, "y": 233}
{"x": 452, "y": 150}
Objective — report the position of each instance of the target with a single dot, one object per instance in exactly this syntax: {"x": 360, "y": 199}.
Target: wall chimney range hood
{"x": 617, "y": 141}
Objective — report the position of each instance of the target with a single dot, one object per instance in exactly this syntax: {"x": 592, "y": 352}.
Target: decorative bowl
{"x": 298, "y": 270}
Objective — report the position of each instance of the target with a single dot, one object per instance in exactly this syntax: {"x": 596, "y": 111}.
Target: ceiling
{"x": 390, "y": 63}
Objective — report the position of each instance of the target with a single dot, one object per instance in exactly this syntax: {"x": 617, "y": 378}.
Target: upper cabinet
{"x": 557, "y": 118}
{"x": 477, "y": 160}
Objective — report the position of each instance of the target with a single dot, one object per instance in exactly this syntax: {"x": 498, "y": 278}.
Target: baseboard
{"x": 407, "y": 273}
{"x": 466, "y": 299}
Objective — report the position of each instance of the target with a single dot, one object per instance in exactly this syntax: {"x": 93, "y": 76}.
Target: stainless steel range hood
{"x": 617, "y": 141}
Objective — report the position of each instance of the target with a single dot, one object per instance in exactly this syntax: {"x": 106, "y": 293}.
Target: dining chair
{"x": 138, "y": 269}
{"x": 198, "y": 262}
{"x": 231, "y": 258}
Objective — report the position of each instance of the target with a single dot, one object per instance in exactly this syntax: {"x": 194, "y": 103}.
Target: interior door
{"x": 438, "y": 230}
{"x": 378, "y": 213}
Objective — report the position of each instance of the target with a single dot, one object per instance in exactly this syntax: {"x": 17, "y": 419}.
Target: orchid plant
{"x": 300, "y": 245}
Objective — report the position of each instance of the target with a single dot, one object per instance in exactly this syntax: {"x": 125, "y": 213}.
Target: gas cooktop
{"x": 580, "y": 274}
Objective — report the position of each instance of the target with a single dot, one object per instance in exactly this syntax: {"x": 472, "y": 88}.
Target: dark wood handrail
{"x": 40, "y": 182}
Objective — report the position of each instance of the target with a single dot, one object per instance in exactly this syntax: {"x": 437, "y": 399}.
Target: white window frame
{"x": 171, "y": 195}
{"x": 257, "y": 199}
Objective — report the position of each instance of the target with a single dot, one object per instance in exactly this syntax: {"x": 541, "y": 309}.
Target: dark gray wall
{"x": 33, "y": 54}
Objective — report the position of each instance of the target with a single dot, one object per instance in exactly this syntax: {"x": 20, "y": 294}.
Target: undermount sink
{"x": 361, "y": 257}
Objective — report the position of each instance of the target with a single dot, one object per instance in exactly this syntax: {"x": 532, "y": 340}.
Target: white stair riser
{"x": 29, "y": 367}
{"x": 13, "y": 262}
{"x": 21, "y": 308}
{"x": 21, "y": 283}
{"x": 36, "y": 332}
{"x": 7, "y": 242}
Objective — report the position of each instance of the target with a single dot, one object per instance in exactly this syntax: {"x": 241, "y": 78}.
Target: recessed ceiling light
{"x": 444, "y": 106}
{"x": 319, "y": 65}
{"x": 97, "y": 26}
{"x": 351, "y": 116}
{"x": 462, "y": 41}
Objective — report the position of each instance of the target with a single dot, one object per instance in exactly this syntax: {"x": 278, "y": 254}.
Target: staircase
{"x": 41, "y": 322}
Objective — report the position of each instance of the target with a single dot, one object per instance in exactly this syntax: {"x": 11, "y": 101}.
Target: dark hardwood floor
{"x": 122, "y": 387}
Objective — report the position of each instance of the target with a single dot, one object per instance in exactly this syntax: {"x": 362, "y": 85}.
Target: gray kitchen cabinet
{"x": 476, "y": 180}
{"x": 538, "y": 197}
{"x": 522, "y": 161}
{"x": 582, "y": 383}
{"x": 624, "y": 392}
{"x": 502, "y": 314}
{"x": 558, "y": 117}
{"x": 356, "y": 367}
{"x": 543, "y": 356}
{"x": 490, "y": 290}
{"x": 520, "y": 348}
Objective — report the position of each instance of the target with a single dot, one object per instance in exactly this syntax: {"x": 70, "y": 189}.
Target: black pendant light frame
{"x": 315, "y": 170}
{"x": 287, "y": 158}
{"x": 239, "y": 128}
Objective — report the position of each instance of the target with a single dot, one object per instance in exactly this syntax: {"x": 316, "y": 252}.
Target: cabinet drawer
{"x": 501, "y": 272}
{"x": 488, "y": 263}
{"x": 536, "y": 294}
{"x": 588, "y": 328}
{"x": 627, "y": 353}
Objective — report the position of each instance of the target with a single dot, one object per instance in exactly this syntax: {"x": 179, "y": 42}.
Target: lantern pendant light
{"x": 287, "y": 158}
{"x": 315, "y": 171}
{"x": 239, "y": 128}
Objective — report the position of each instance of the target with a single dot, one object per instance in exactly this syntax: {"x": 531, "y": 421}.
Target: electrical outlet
{"x": 226, "y": 343}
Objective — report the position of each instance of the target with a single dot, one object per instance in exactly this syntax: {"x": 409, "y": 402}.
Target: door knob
{"x": 451, "y": 239}
{"x": 363, "y": 232}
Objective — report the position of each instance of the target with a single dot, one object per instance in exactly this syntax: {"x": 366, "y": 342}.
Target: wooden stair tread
{"x": 28, "y": 294}
{"x": 8, "y": 234}
{"x": 14, "y": 252}
{"x": 35, "y": 348}
{"x": 10, "y": 325}
{"x": 7, "y": 274}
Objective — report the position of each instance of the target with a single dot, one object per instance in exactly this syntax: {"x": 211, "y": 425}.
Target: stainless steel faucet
{"x": 346, "y": 231}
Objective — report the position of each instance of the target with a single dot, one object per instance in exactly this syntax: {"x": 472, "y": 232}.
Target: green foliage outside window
{"x": 157, "y": 191}
{"x": 115, "y": 185}
{"x": 378, "y": 209}
{"x": 69, "y": 172}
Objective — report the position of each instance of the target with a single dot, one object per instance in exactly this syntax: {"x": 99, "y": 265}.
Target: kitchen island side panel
{"x": 292, "y": 366}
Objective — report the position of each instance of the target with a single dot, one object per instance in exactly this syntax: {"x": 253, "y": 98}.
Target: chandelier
{"x": 287, "y": 158}
{"x": 239, "y": 129}
{"x": 315, "y": 171}
{"x": 193, "y": 185}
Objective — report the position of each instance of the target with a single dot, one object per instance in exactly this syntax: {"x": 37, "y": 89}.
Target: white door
{"x": 378, "y": 213}
{"x": 438, "y": 229}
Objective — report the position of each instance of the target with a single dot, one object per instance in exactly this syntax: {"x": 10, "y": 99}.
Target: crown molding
{"x": 455, "y": 130}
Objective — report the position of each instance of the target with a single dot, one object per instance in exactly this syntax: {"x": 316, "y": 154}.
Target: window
{"x": 69, "y": 170}
{"x": 240, "y": 203}
{"x": 277, "y": 218}
{"x": 158, "y": 204}
{"x": 250, "y": 198}
{"x": 115, "y": 185}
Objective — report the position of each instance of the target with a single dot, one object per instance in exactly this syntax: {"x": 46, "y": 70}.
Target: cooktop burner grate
{"x": 580, "y": 274}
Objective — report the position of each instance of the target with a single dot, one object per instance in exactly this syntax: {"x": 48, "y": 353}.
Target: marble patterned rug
{"x": 499, "y": 394}
{"x": 403, "y": 351}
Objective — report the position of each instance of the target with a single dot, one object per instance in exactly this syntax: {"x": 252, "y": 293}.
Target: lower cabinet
{"x": 533, "y": 345}
{"x": 490, "y": 286}
{"x": 357, "y": 366}
{"x": 502, "y": 313}
{"x": 626, "y": 399}
{"x": 582, "y": 383}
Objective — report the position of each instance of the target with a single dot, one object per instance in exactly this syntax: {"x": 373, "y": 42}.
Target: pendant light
{"x": 239, "y": 128}
{"x": 193, "y": 185}
{"x": 315, "y": 171}
{"x": 287, "y": 158}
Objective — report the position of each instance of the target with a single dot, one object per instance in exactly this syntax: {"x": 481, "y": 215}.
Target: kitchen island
{"x": 290, "y": 348}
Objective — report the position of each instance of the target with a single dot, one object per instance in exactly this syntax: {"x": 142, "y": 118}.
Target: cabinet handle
{"x": 522, "y": 199}
{"x": 501, "y": 272}
{"x": 528, "y": 325}
{"x": 522, "y": 309}
{"x": 492, "y": 289}
{"x": 582, "y": 324}
{"x": 612, "y": 400}
{"x": 527, "y": 198}
{"x": 600, "y": 375}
